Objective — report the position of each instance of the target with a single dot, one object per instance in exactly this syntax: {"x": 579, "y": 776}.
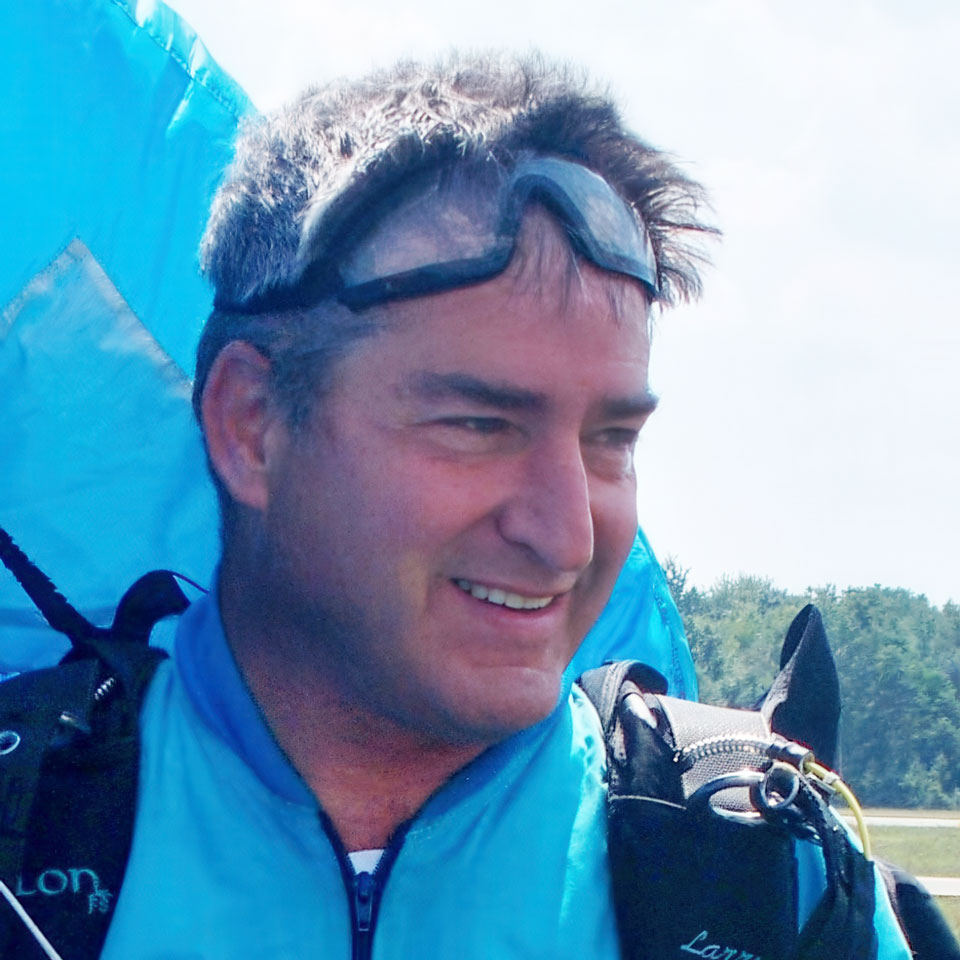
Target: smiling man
{"x": 420, "y": 391}
{"x": 415, "y": 563}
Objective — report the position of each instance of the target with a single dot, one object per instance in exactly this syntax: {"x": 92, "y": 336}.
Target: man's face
{"x": 451, "y": 520}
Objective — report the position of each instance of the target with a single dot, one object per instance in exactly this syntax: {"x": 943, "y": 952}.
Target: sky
{"x": 809, "y": 427}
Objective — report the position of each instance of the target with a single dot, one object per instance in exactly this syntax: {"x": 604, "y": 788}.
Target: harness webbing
{"x": 69, "y": 759}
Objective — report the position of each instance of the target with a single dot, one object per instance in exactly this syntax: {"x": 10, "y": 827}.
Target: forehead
{"x": 548, "y": 274}
{"x": 546, "y": 267}
{"x": 550, "y": 322}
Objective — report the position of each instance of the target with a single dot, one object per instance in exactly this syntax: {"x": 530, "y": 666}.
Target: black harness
{"x": 705, "y": 805}
{"x": 69, "y": 759}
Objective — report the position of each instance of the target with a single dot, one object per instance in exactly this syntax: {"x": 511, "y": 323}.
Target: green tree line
{"x": 898, "y": 658}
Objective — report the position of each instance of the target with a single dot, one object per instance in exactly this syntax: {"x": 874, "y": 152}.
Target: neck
{"x": 368, "y": 773}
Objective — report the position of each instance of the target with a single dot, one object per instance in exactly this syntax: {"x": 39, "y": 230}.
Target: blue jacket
{"x": 231, "y": 857}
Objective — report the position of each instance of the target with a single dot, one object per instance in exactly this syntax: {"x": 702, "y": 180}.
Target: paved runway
{"x": 942, "y": 886}
{"x": 910, "y": 822}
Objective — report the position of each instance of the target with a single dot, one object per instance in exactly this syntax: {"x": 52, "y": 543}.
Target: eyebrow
{"x": 626, "y": 408}
{"x": 439, "y": 386}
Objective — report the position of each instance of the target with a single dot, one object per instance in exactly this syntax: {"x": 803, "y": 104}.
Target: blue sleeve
{"x": 641, "y": 622}
{"x": 892, "y": 943}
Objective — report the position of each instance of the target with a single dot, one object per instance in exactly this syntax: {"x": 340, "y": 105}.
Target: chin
{"x": 516, "y": 706}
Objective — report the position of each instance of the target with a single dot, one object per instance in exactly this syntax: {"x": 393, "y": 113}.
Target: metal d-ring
{"x": 778, "y": 790}
{"x": 9, "y": 741}
{"x": 700, "y": 798}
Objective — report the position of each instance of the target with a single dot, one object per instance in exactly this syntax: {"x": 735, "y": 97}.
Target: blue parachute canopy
{"x": 116, "y": 128}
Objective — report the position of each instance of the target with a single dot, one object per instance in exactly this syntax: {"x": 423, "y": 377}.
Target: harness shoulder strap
{"x": 705, "y": 805}
{"x": 925, "y": 926}
{"x": 69, "y": 759}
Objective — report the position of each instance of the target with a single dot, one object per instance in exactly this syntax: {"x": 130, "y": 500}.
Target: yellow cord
{"x": 828, "y": 777}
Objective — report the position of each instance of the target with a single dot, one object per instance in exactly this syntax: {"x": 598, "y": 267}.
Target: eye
{"x": 475, "y": 434}
{"x": 481, "y": 425}
{"x": 610, "y": 451}
{"x": 618, "y": 438}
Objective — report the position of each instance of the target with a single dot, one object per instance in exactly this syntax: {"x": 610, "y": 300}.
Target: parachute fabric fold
{"x": 115, "y": 130}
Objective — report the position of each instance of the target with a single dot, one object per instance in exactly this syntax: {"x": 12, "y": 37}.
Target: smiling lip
{"x": 503, "y": 598}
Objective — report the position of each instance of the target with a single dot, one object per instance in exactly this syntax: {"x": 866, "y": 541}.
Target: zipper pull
{"x": 363, "y": 898}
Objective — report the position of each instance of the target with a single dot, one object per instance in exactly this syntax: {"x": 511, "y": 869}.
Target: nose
{"x": 549, "y": 513}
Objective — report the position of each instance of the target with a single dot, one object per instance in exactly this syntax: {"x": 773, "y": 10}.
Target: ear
{"x": 239, "y": 422}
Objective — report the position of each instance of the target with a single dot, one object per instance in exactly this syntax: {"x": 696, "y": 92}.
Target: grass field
{"x": 950, "y": 907}
{"x": 924, "y": 851}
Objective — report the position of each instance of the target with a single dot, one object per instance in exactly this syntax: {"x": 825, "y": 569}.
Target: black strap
{"x": 68, "y": 821}
{"x": 925, "y": 926}
{"x": 69, "y": 763}
{"x": 56, "y": 610}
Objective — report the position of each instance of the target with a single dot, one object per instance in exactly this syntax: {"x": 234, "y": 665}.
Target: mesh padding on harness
{"x": 698, "y": 870}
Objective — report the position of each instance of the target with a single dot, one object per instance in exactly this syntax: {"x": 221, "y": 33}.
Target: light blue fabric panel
{"x": 116, "y": 126}
{"x": 105, "y": 476}
{"x": 114, "y": 131}
{"x": 641, "y": 622}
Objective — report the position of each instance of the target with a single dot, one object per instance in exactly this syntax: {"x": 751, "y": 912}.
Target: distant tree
{"x": 901, "y": 729}
{"x": 736, "y": 629}
{"x": 676, "y": 576}
{"x": 899, "y": 663}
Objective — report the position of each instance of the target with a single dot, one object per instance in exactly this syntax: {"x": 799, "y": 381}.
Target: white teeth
{"x": 501, "y": 597}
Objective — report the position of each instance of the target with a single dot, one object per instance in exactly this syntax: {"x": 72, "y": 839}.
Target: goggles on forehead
{"x": 454, "y": 229}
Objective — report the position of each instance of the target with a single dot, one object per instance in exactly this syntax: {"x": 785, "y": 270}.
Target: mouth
{"x": 503, "y": 598}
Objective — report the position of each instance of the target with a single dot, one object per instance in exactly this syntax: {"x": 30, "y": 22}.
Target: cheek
{"x": 432, "y": 495}
{"x": 397, "y": 525}
{"x": 615, "y": 520}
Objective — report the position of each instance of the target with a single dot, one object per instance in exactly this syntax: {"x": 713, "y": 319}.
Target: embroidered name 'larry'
{"x": 75, "y": 880}
{"x": 700, "y": 946}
